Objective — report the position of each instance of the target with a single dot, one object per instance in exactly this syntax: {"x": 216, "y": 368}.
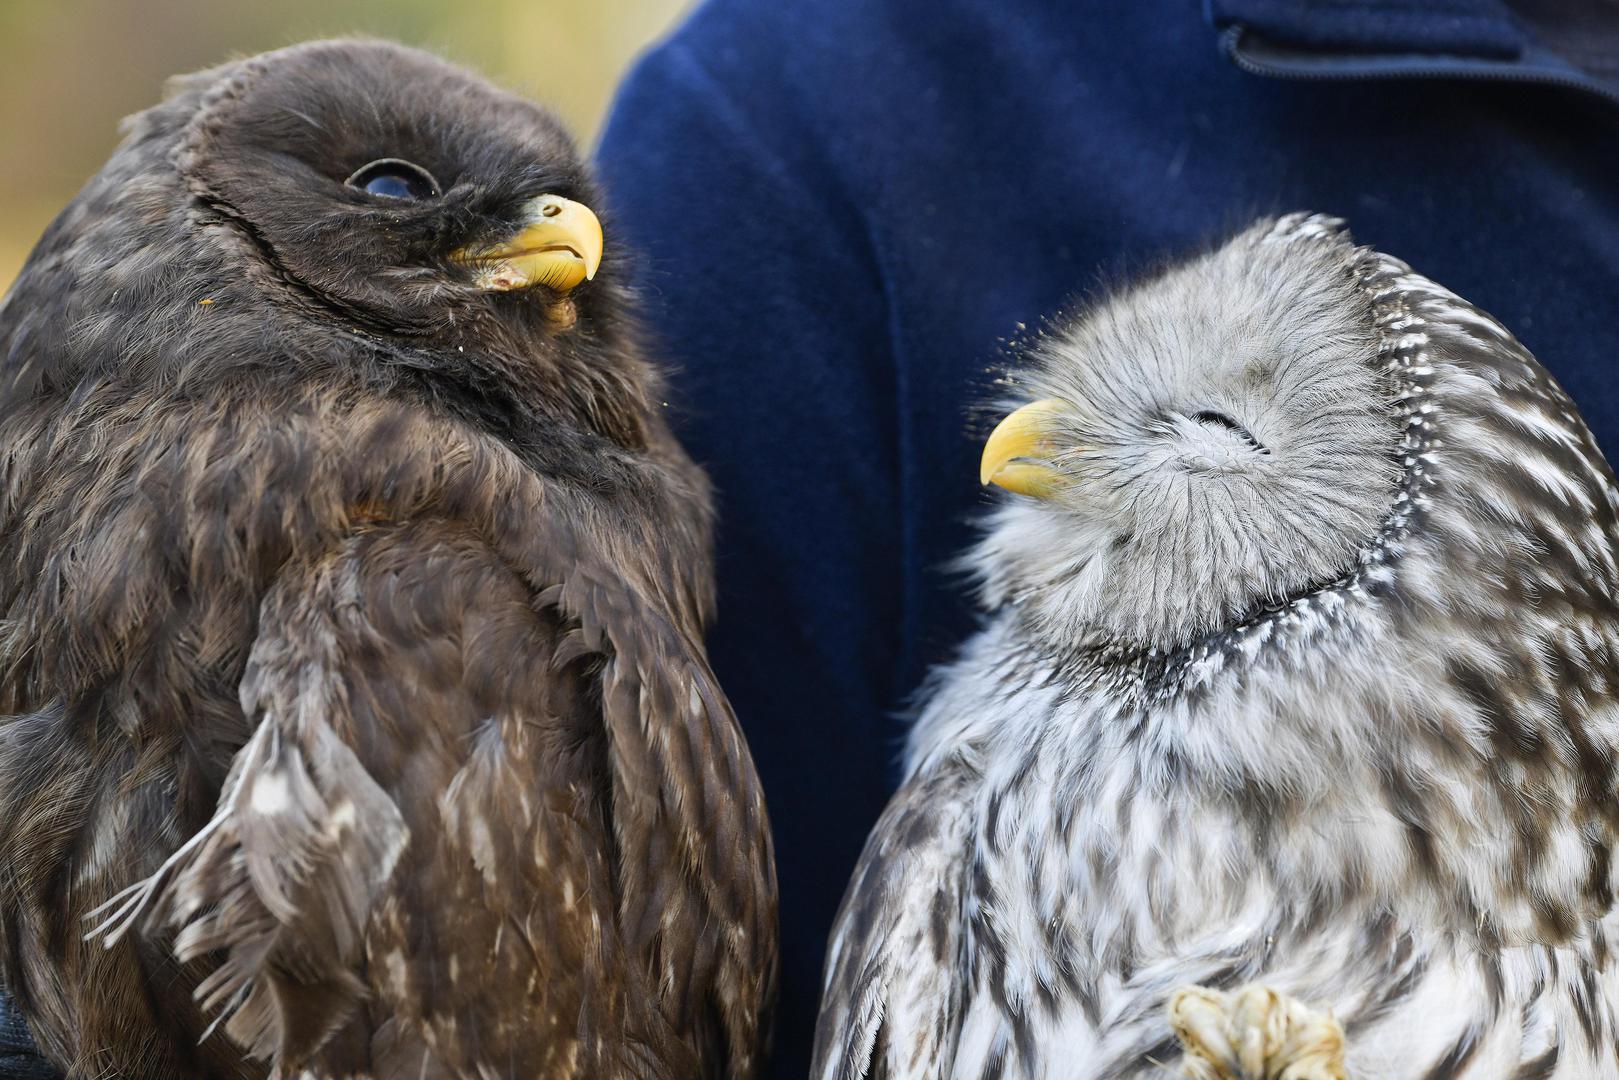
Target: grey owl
{"x": 1299, "y": 667}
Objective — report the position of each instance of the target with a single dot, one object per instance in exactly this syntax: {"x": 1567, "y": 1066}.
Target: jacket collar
{"x": 1478, "y": 28}
{"x": 1368, "y": 39}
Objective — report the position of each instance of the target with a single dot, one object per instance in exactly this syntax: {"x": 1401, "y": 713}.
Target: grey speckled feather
{"x": 350, "y": 619}
{"x": 1306, "y": 672}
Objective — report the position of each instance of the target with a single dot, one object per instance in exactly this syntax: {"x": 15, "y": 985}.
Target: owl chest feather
{"x": 1346, "y": 852}
{"x": 1267, "y": 812}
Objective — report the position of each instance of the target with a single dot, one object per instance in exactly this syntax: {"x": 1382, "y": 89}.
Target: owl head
{"x": 346, "y": 206}
{"x": 1211, "y": 441}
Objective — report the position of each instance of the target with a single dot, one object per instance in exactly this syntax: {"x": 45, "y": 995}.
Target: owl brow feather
{"x": 306, "y": 118}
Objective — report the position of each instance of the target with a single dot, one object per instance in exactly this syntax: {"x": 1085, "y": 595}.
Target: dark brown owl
{"x": 351, "y": 593}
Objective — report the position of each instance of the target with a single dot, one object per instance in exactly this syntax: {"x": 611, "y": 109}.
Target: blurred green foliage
{"x": 70, "y": 69}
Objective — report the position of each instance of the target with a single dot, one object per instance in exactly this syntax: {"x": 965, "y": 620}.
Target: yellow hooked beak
{"x": 1011, "y": 456}
{"x": 560, "y": 246}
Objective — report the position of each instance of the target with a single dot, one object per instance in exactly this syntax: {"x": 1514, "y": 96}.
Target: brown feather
{"x": 371, "y": 667}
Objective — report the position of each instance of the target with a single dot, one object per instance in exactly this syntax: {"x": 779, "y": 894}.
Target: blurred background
{"x": 71, "y": 69}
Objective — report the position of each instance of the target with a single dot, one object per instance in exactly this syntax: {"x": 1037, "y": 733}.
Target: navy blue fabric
{"x": 18, "y": 1059}
{"x": 1534, "y": 63}
{"x": 1476, "y": 27}
{"x": 845, "y": 206}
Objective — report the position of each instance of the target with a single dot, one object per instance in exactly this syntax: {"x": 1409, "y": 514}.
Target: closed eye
{"x": 1220, "y": 419}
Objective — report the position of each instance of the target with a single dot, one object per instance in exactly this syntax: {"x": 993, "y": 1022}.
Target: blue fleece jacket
{"x": 846, "y": 206}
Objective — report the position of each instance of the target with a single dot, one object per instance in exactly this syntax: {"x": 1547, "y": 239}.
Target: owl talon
{"x": 1255, "y": 1034}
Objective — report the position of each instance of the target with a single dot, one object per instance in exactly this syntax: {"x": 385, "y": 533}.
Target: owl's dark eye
{"x": 394, "y": 178}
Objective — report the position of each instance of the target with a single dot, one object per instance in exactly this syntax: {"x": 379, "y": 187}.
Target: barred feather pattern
{"x": 1391, "y": 795}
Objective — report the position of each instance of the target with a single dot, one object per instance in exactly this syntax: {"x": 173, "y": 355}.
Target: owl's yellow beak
{"x": 559, "y": 247}
{"x": 1012, "y": 455}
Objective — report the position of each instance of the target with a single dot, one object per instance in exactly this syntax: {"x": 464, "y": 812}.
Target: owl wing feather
{"x": 456, "y": 806}
{"x": 893, "y": 974}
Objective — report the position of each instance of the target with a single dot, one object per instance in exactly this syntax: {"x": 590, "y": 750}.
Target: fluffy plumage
{"x": 1174, "y": 521}
{"x": 350, "y": 616}
{"x": 1304, "y": 672}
